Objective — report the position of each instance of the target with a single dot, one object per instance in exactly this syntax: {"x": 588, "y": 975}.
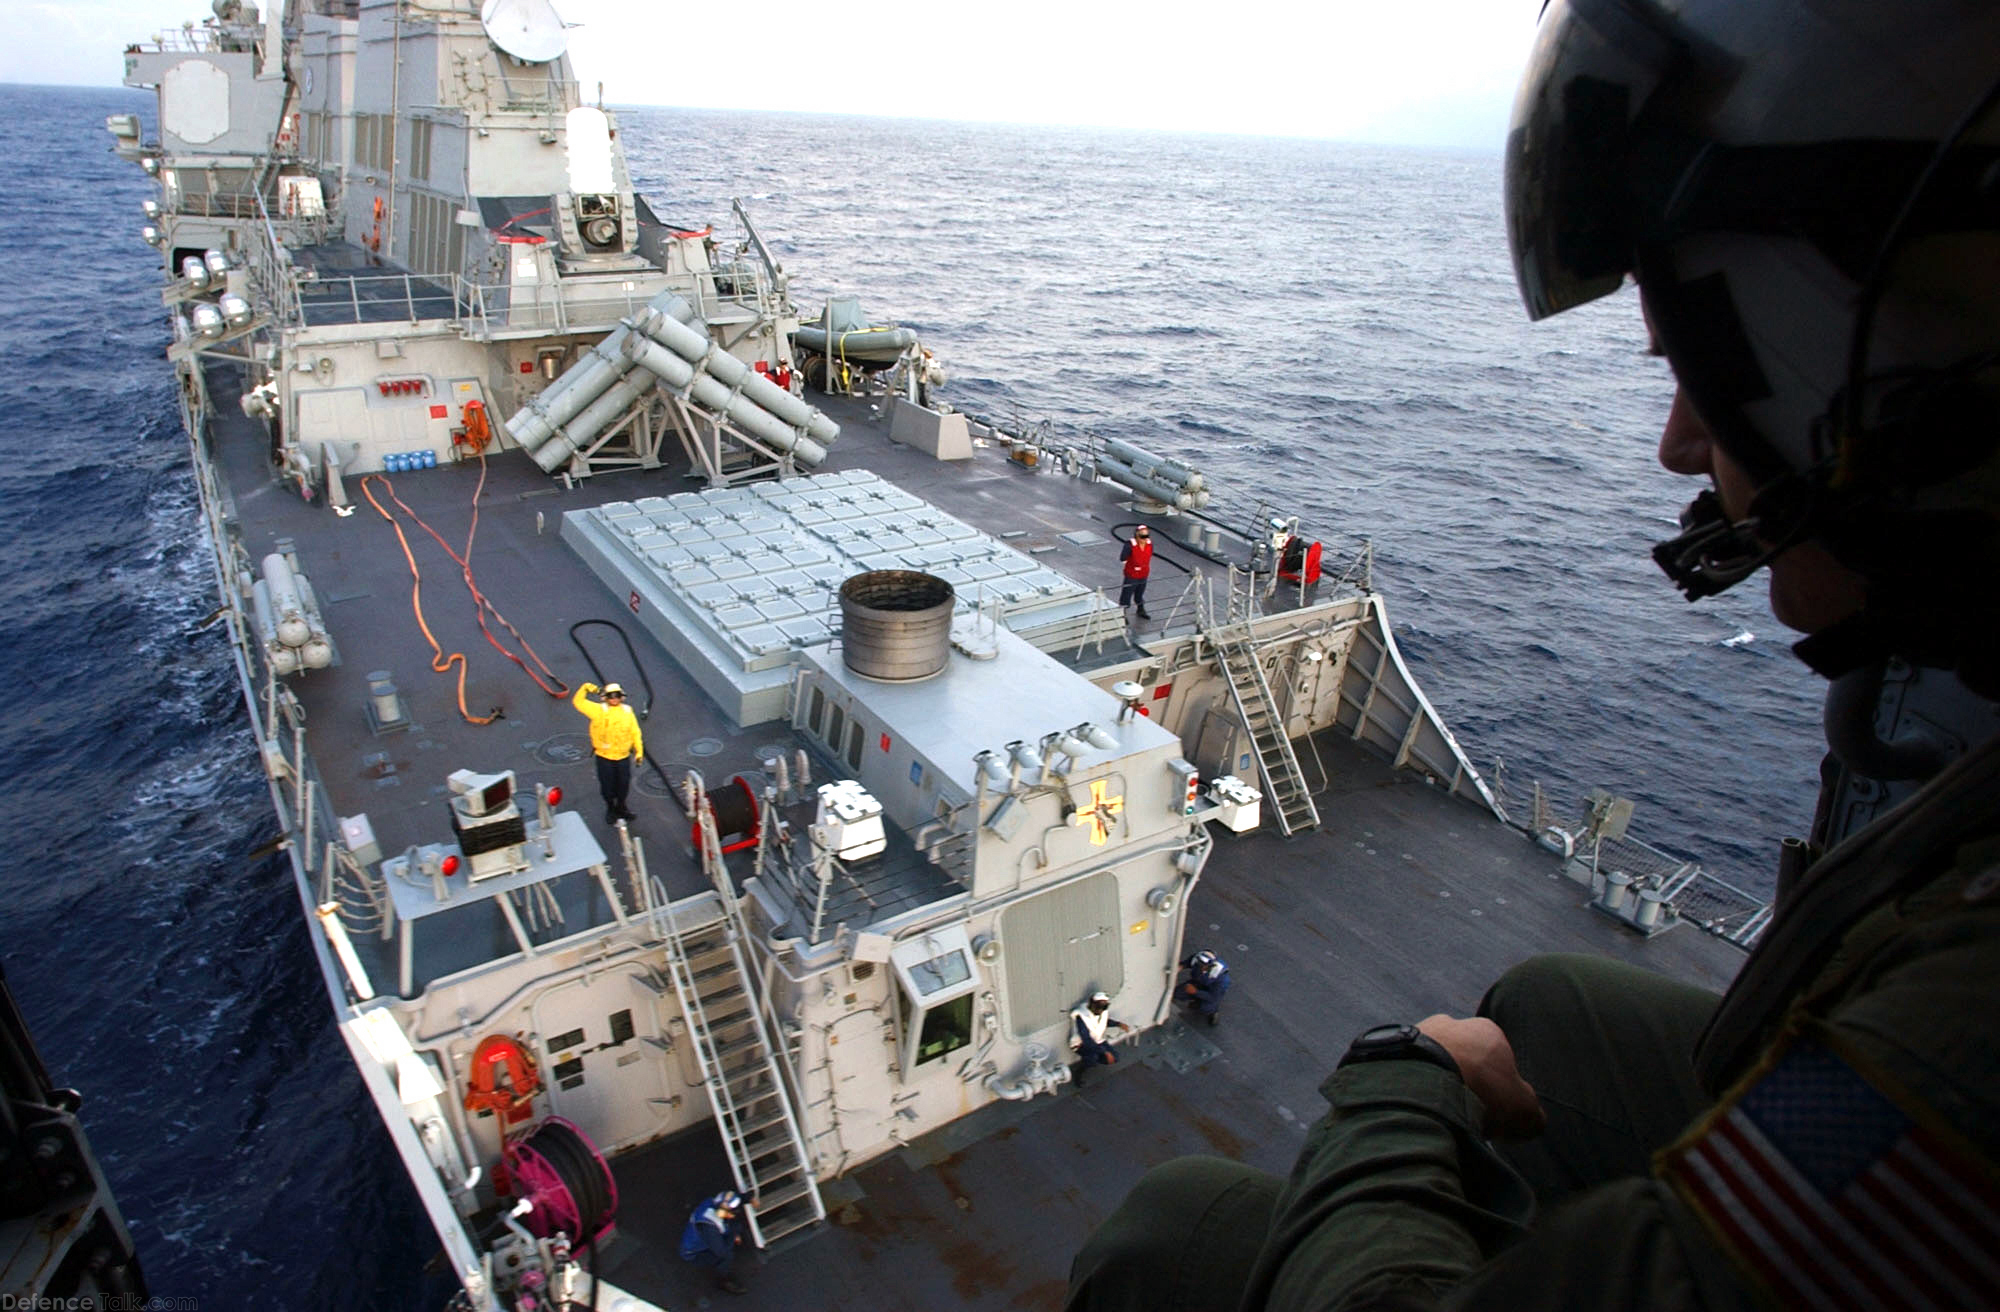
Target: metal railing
{"x": 1696, "y": 896}
{"x": 574, "y": 306}
{"x": 188, "y": 40}
{"x": 535, "y": 95}
{"x": 220, "y": 205}
{"x": 1699, "y": 898}
{"x": 314, "y": 298}
{"x": 322, "y": 299}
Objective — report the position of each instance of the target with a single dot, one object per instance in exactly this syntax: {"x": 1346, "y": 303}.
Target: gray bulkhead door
{"x": 1057, "y": 947}
{"x": 601, "y": 1057}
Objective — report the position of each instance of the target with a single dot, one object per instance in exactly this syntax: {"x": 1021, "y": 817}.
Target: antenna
{"x": 529, "y": 30}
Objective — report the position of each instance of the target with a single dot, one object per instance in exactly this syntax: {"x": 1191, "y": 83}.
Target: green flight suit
{"x": 1891, "y": 943}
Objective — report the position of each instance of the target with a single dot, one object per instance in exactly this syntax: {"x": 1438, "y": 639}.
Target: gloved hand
{"x": 586, "y": 688}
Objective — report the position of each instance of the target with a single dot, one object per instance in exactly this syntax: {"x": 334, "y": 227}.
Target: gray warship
{"x": 474, "y": 427}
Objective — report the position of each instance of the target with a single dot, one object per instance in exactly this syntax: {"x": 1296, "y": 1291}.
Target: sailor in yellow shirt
{"x": 615, "y": 738}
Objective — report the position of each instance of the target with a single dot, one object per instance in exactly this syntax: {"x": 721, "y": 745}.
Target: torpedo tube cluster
{"x": 662, "y": 343}
{"x": 1169, "y": 482}
{"x": 286, "y": 612}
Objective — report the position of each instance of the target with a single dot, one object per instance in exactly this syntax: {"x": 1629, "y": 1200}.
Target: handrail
{"x": 188, "y": 40}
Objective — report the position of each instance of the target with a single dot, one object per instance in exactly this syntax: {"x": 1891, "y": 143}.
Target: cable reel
{"x": 557, "y": 1169}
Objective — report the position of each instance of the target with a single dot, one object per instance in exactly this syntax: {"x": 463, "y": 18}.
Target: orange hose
{"x": 440, "y": 662}
{"x": 482, "y": 606}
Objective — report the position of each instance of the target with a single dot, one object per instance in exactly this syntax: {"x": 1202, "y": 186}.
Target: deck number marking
{"x": 1101, "y": 812}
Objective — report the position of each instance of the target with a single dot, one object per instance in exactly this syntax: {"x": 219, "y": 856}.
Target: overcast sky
{"x": 1424, "y": 72}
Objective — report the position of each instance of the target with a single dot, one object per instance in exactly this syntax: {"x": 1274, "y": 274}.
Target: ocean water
{"x": 1327, "y": 330}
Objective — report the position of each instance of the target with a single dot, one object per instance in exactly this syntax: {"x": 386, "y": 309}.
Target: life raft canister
{"x": 504, "y": 1079}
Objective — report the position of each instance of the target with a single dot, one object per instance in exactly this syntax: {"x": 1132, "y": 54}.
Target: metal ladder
{"x": 739, "y": 1066}
{"x": 1284, "y": 782}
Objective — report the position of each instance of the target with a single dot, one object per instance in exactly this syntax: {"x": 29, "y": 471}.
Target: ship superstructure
{"x": 913, "y": 791}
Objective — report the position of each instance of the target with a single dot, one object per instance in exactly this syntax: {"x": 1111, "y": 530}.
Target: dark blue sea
{"x": 1330, "y": 330}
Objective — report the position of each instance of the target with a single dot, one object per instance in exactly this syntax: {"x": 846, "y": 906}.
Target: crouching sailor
{"x": 1204, "y": 985}
{"x": 712, "y": 1235}
{"x": 1091, "y": 1034}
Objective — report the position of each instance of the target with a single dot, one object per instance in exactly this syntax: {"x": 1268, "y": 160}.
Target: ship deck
{"x": 1404, "y": 902}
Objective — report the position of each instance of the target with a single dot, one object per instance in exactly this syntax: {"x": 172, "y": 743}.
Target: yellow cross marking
{"x": 1100, "y": 813}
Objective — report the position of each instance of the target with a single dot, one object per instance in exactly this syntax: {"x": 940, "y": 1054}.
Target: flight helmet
{"x": 1808, "y": 194}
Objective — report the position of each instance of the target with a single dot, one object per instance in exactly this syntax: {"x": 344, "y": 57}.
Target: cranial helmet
{"x": 1808, "y": 193}
{"x": 1204, "y": 959}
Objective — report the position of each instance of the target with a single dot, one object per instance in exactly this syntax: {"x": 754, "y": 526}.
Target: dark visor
{"x": 1569, "y": 212}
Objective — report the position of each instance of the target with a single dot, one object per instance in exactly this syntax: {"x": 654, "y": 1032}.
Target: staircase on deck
{"x": 1278, "y": 766}
{"x": 740, "y": 1068}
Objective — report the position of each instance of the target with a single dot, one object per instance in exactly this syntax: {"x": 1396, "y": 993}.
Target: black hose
{"x": 593, "y": 1201}
{"x": 577, "y": 1166}
{"x": 598, "y": 674}
{"x": 644, "y": 682}
{"x": 595, "y": 1206}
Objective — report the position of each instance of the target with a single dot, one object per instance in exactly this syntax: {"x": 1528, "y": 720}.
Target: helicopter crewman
{"x": 1803, "y": 192}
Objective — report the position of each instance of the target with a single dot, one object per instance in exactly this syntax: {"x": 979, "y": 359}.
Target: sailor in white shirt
{"x": 1091, "y": 1037}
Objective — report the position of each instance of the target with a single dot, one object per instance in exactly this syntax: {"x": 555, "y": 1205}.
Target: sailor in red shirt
{"x": 1138, "y": 558}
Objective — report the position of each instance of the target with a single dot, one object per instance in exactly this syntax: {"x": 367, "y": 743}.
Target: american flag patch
{"x": 1835, "y": 1197}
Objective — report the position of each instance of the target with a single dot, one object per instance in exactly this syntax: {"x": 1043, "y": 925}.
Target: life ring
{"x": 477, "y": 431}
{"x": 487, "y": 1093}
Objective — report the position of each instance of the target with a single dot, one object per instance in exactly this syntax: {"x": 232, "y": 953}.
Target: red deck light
{"x": 449, "y": 865}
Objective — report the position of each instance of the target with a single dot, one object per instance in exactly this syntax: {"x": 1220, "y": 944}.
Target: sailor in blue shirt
{"x": 1205, "y": 983}
{"x": 714, "y": 1232}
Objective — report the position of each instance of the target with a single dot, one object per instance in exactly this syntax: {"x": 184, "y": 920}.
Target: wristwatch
{"x": 1398, "y": 1043}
